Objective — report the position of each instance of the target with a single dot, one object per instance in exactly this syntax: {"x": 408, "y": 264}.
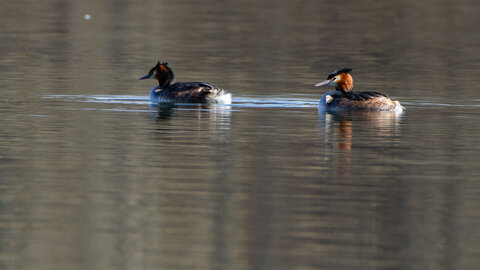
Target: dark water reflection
{"x": 93, "y": 177}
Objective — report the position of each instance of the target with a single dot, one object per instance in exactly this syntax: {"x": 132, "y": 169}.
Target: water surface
{"x": 94, "y": 177}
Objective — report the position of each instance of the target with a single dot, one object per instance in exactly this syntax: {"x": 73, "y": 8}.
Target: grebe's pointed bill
{"x": 148, "y": 76}
{"x": 151, "y": 72}
{"x": 329, "y": 82}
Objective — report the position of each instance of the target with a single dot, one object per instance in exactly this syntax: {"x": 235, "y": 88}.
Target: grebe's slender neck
{"x": 164, "y": 75}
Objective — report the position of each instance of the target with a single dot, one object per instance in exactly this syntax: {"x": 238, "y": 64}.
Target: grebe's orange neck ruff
{"x": 344, "y": 82}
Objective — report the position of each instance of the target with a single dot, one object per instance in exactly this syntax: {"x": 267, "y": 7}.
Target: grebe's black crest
{"x": 337, "y": 72}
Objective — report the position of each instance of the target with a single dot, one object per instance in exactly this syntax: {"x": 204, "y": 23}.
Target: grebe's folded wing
{"x": 365, "y": 95}
{"x": 192, "y": 86}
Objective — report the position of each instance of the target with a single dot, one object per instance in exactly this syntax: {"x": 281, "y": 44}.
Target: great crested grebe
{"x": 186, "y": 92}
{"x": 343, "y": 98}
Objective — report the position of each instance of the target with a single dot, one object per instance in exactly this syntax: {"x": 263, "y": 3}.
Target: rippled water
{"x": 92, "y": 176}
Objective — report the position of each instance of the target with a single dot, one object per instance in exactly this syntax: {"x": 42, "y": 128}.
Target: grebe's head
{"x": 341, "y": 79}
{"x": 162, "y": 73}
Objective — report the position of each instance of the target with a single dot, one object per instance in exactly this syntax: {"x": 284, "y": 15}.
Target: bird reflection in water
{"x": 343, "y": 129}
{"x": 196, "y": 118}
{"x": 162, "y": 110}
{"x": 169, "y": 110}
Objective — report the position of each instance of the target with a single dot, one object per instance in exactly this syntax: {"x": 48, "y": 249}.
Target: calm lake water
{"x": 93, "y": 177}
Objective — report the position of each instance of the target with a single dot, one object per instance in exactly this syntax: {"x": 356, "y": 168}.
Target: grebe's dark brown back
{"x": 343, "y": 98}
{"x": 187, "y": 92}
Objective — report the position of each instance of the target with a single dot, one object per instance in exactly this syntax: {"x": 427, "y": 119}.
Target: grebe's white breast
{"x": 326, "y": 98}
{"x": 156, "y": 97}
